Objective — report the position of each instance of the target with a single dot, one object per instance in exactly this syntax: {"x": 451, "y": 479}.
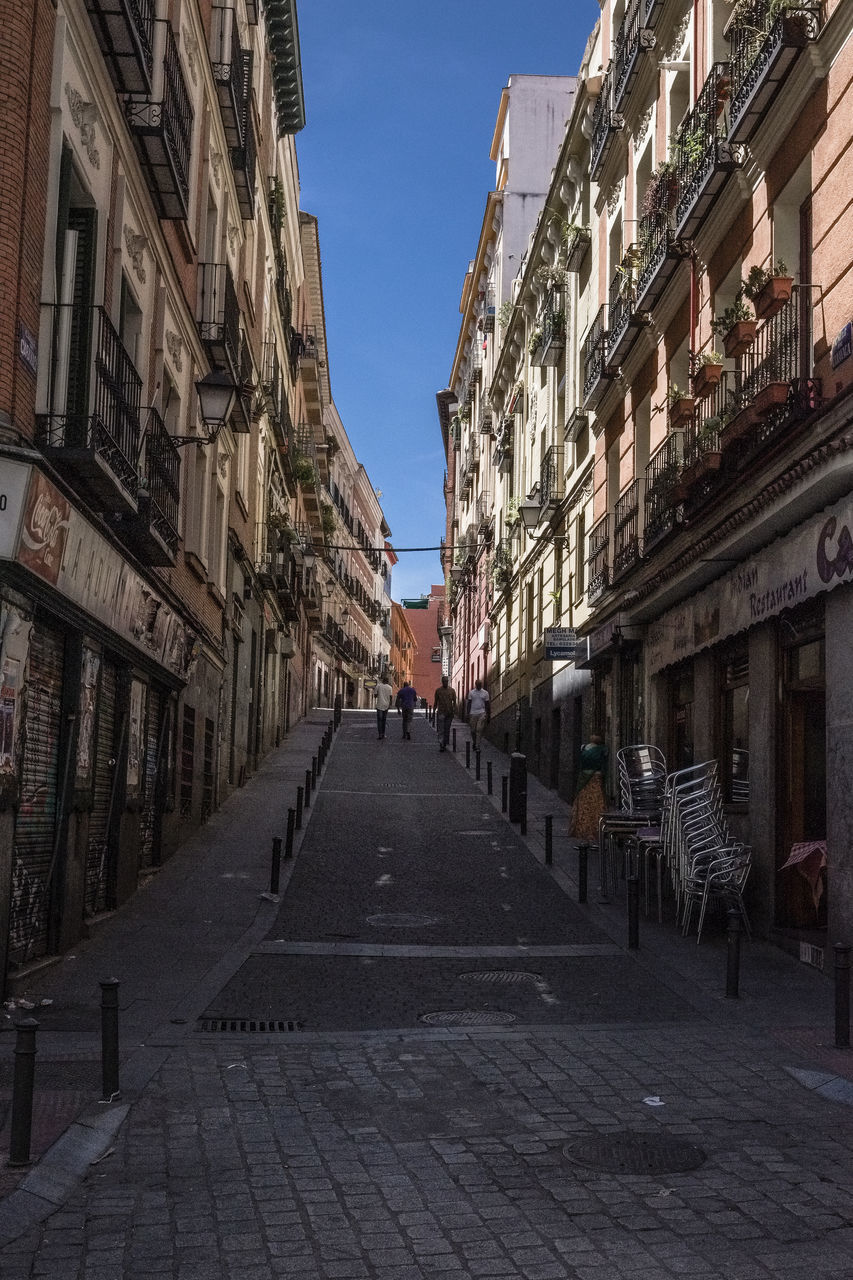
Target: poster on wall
{"x": 88, "y": 698}
{"x": 134, "y": 740}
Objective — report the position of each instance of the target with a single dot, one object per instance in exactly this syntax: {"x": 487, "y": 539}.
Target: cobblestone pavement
{"x": 698, "y": 1143}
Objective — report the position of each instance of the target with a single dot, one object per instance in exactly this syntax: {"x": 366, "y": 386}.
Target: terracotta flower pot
{"x": 705, "y": 379}
{"x": 739, "y": 338}
{"x": 681, "y": 412}
{"x": 771, "y": 397}
{"x": 738, "y": 426}
{"x": 773, "y": 296}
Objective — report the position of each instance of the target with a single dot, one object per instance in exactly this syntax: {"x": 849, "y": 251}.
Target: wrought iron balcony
{"x": 232, "y": 72}
{"x": 553, "y": 344}
{"x": 661, "y": 506}
{"x": 632, "y": 38}
{"x": 272, "y": 381}
{"x": 606, "y": 123}
{"x": 124, "y": 30}
{"x": 659, "y": 252}
{"x": 625, "y": 318}
{"x": 218, "y": 316}
{"x": 161, "y": 126}
{"x": 578, "y": 241}
{"x": 244, "y": 162}
{"x": 551, "y": 477}
{"x": 766, "y": 41}
{"x": 91, "y": 427}
{"x": 594, "y": 360}
{"x": 485, "y": 513}
{"x": 242, "y": 418}
{"x": 705, "y": 155}
{"x": 597, "y": 561}
{"x": 575, "y": 425}
{"x": 502, "y": 453}
{"x": 626, "y": 530}
{"x": 489, "y": 310}
{"x": 776, "y": 389}
{"x": 152, "y": 531}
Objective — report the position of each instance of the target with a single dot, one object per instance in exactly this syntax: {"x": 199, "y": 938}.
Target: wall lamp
{"x": 217, "y": 394}
{"x": 309, "y": 556}
{"x": 529, "y": 513}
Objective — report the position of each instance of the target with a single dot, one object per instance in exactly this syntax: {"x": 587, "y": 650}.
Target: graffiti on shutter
{"x": 98, "y": 861}
{"x": 155, "y": 744}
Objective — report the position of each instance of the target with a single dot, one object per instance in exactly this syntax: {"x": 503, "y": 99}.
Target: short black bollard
{"x": 22, "y": 1091}
{"x": 583, "y": 871}
{"x": 288, "y": 839}
{"x": 732, "y": 953}
{"x": 275, "y": 870}
{"x": 454, "y": 741}
{"x": 299, "y": 798}
{"x": 488, "y": 777}
{"x": 549, "y": 839}
{"x": 842, "y": 996}
{"x": 504, "y": 792}
{"x": 109, "y": 1039}
{"x": 307, "y": 788}
{"x": 337, "y": 712}
{"x": 633, "y": 882}
{"x": 314, "y": 771}
{"x": 477, "y": 766}
{"x": 467, "y": 755}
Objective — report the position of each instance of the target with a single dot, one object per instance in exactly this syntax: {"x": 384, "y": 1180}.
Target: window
{"x": 734, "y": 725}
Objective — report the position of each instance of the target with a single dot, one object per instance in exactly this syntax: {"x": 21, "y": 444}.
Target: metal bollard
{"x": 314, "y": 771}
{"x": 22, "y": 1091}
{"x": 275, "y": 872}
{"x": 109, "y": 1039}
{"x": 633, "y": 883}
{"x": 583, "y": 871}
{"x": 307, "y": 788}
{"x": 504, "y": 792}
{"x": 488, "y": 777}
{"x": 454, "y": 742}
{"x": 842, "y": 996}
{"x": 299, "y": 798}
{"x": 477, "y": 766}
{"x": 549, "y": 840}
{"x": 467, "y": 755}
{"x": 288, "y": 839}
{"x": 733, "y": 923}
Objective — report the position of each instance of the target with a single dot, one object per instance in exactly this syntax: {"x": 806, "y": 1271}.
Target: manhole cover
{"x": 643, "y": 1153}
{"x": 502, "y": 976}
{"x": 467, "y": 1018}
{"x": 401, "y": 920}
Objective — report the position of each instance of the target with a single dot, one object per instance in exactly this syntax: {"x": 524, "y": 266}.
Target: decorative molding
{"x": 614, "y": 195}
{"x": 232, "y": 238}
{"x": 215, "y": 164}
{"x": 136, "y": 246}
{"x": 84, "y": 114}
{"x": 175, "y": 346}
{"x": 677, "y": 43}
{"x": 191, "y": 48}
{"x": 642, "y": 126}
{"x": 222, "y": 461}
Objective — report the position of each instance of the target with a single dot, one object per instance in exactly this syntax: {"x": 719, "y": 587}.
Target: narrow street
{"x": 426, "y": 1059}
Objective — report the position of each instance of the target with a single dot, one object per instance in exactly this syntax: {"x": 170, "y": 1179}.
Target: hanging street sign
{"x": 560, "y": 644}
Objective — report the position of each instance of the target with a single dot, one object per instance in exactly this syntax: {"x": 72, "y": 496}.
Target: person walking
{"x": 383, "y": 695}
{"x": 406, "y": 701}
{"x": 477, "y": 708}
{"x": 444, "y": 706}
{"x": 589, "y": 793}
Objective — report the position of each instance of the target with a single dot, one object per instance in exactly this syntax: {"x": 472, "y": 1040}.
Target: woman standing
{"x": 589, "y": 794}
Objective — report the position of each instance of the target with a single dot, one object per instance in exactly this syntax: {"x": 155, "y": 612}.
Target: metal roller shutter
{"x": 98, "y": 852}
{"x": 35, "y": 825}
{"x": 155, "y": 737}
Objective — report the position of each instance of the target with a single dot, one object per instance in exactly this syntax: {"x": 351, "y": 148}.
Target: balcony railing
{"x": 576, "y": 424}
{"x": 489, "y": 310}
{"x": 594, "y": 360}
{"x": 244, "y": 162}
{"x": 624, "y": 317}
{"x": 551, "y": 476}
{"x": 152, "y": 531}
{"x": 219, "y": 315}
{"x": 161, "y": 126}
{"x": 626, "y": 530}
{"x": 232, "y": 72}
{"x": 658, "y": 253}
{"x": 485, "y": 512}
{"x": 124, "y": 30}
{"x": 553, "y": 342}
{"x": 660, "y": 498}
{"x": 765, "y": 43}
{"x": 704, "y": 153}
{"x": 606, "y": 123}
{"x": 633, "y": 37}
{"x": 597, "y": 561}
{"x": 92, "y": 425}
{"x": 273, "y": 390}
{"x": 502, "y": 453}
{"x": 578, "y": 241}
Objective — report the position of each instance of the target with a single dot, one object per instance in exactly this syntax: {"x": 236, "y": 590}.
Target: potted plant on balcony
{"x": 680, "y": 407}
{"x": 768, "y": 289}
{"x": 534, "y": 342}
{"x": 707, "y": 374}
{"x": 661, "y": 191}
{"x": 736, "y": 325}
{"x": 303, "y": 471}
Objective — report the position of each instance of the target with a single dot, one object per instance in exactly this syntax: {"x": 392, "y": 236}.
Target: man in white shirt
{"x": 383, "y": 695}
{"x": 478, "y": 712}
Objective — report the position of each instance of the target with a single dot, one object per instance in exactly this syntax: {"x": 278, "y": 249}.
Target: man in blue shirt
{"x": 406, "y": 701}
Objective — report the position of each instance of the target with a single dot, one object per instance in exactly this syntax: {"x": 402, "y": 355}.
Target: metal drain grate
{"x": 401, "y": 920}
{"x": 467, "y": 1018}
{"x": 642, "y": 1153}
{"x": 501, "y": 977}
{"x": 251, "y": 1025}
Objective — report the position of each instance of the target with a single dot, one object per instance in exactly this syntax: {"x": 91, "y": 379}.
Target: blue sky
{"x": 401, "y": 101}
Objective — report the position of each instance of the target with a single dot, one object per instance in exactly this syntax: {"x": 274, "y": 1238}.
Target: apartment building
{"x": 404, "y": 649}
{"x": 682, "y": 475}
{"x": 161, "y": 412}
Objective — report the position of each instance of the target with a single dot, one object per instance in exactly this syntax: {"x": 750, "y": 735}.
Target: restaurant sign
{"x": 816, "y": 557}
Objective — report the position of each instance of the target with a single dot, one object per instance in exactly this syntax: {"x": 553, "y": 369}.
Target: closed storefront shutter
{"x": 99, "y": 850}
{"x": 154, "y": 753}
{"x": 35, "y": 825}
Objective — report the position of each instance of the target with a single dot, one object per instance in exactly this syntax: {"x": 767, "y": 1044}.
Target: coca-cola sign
{"x": 44, "y": 530}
